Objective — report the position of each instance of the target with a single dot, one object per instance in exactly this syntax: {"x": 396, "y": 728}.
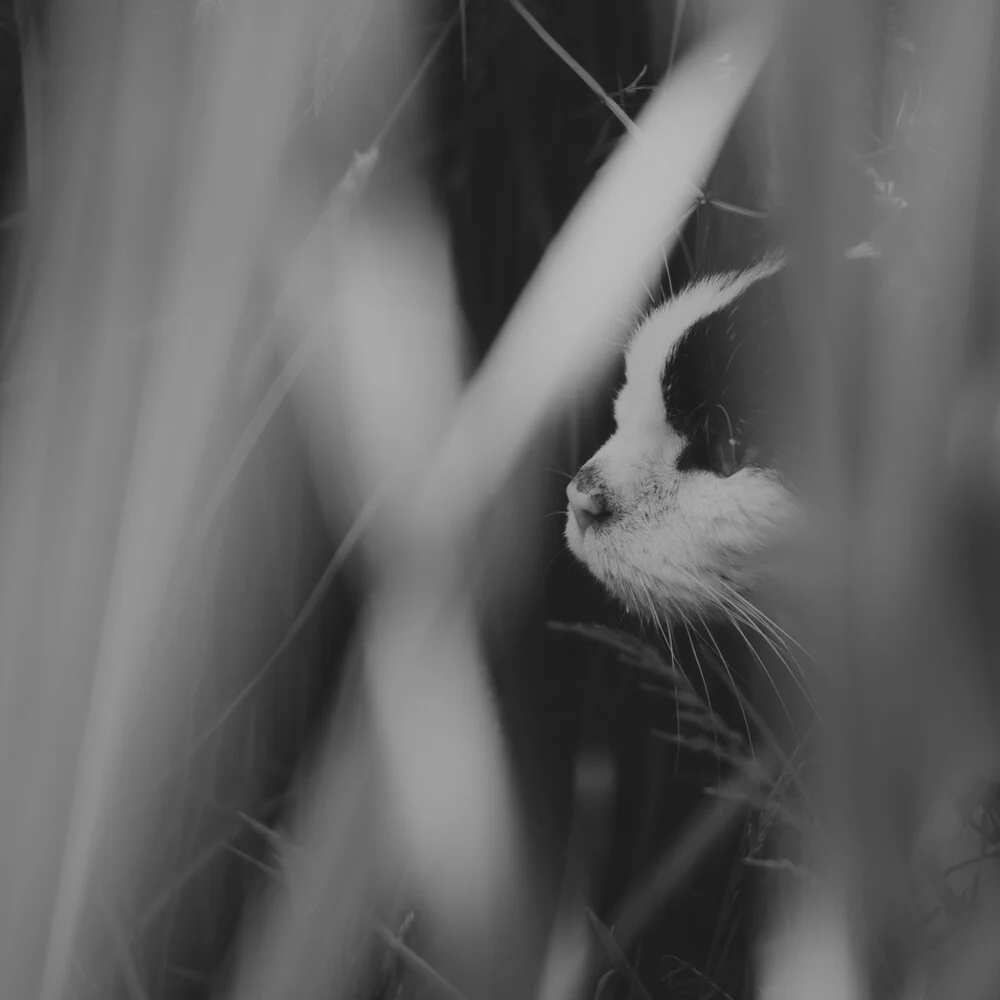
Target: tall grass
{"x": 237, "y": 335}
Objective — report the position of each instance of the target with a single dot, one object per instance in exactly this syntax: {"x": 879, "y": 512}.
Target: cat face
{"x": 677, "y": 512}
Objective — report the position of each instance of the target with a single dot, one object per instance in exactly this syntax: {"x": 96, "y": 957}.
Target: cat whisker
{"x": 708, "y": 696}
{"x": 668, "y": 639}
{"x": 739, "y": 609}
{"x": 765, "y": 730}
{"x": 753, "y": 617}
{"x": 765, "y": 624}
{"x": 560, "y": 472}
{"x": 736, "y": 616}
{"x": 795, "y": 672}
{"x": 771, "y": 623}
{"x": 732, "y": 680}
{"x": 767, "y": 673}
{"x": 732, "y": 614}
{"x": 751, "y": 610}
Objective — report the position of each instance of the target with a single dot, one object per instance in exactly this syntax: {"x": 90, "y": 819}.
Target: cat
{"x": 678, "y": 512}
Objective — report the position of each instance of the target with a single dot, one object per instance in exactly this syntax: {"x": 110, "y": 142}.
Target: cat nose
{"x": 588, "y": 508}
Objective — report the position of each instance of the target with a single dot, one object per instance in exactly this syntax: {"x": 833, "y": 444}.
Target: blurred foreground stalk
{"x": 902, "y": 377}
{"x": 158, "y": 166}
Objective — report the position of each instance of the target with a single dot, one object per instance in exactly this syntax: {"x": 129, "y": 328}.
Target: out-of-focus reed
{"x": 171, "y": 215}
{"x": 897, "y": 492}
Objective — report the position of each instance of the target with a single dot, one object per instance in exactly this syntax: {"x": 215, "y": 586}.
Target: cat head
{"x": 677, "y": 512}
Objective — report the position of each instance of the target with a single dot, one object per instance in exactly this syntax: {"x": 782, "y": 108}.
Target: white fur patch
{"x": 651, "y": 343}
{"x": 677, "y": 542}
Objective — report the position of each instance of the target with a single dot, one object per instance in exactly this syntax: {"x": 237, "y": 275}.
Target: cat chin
{"x": 697, "y": 585}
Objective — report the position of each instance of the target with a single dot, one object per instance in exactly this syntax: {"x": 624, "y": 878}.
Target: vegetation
{"x": 310, "y": 310}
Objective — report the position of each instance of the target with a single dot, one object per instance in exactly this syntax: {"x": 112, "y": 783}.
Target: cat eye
{"x": 728, "y": 454}
{"x": 718, "y": 449}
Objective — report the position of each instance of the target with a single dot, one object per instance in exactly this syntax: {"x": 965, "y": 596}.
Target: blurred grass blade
{"x": 590, "y": 278}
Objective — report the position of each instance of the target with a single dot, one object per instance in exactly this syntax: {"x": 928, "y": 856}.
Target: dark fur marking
{"x": 722, "y": 379}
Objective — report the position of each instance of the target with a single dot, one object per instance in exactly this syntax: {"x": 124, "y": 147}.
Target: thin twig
{"x": 679, "y": 7}
{"x": 536, "y": 26}
{"x": 612, "y": 105}
{"x": 418, "y": 77}
{"x": 412, "y": 959}
{"x": 617, "y": 956}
